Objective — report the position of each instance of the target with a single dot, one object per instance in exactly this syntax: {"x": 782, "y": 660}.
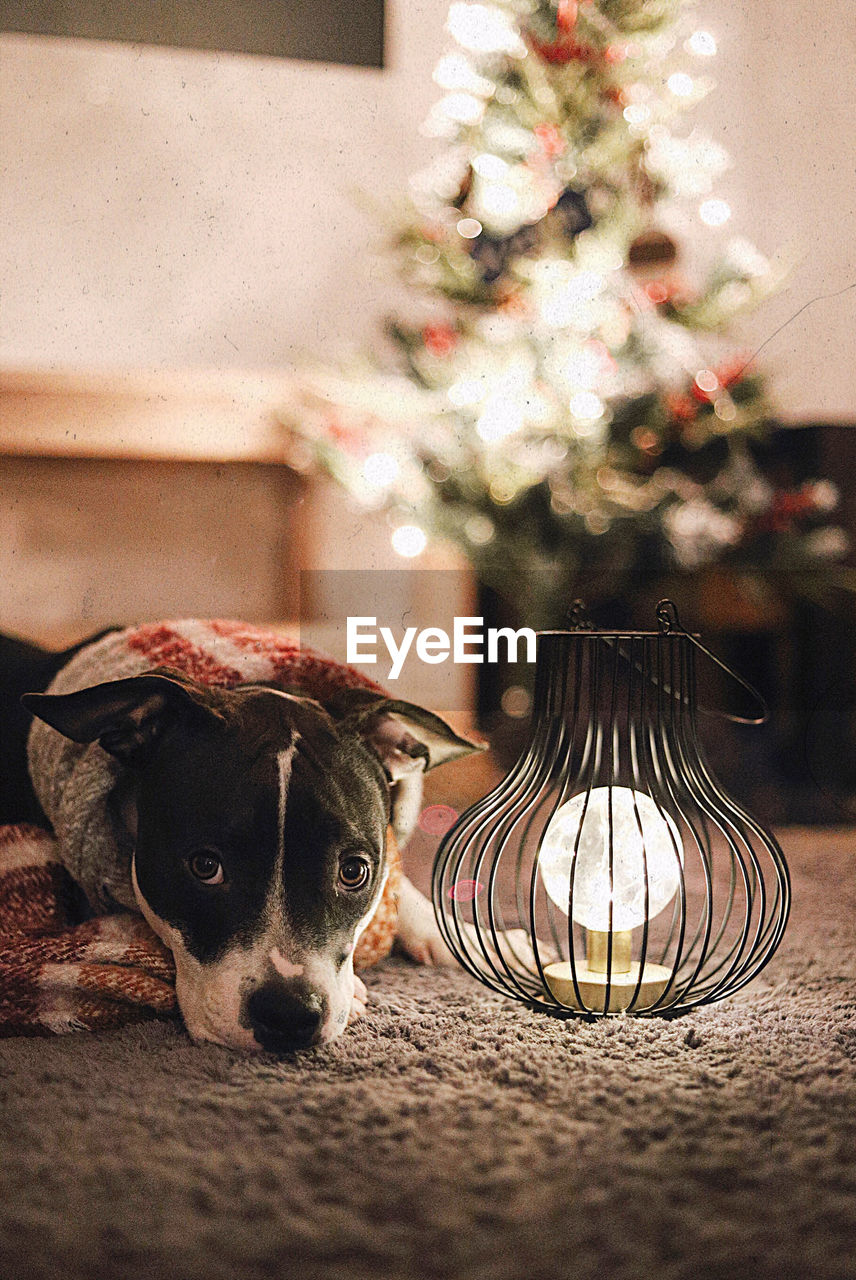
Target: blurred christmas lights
{"x": 409, "y": 541}
{"x": 702, "y": 44}
{"x": 484, "y": 29}
{"x": 380, "y": 470}
{"x": 577, "y": 350}
{"x": 714, "y": 213}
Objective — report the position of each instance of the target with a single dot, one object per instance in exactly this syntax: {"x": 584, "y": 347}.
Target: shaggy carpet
{"x": 452, "y": 1133}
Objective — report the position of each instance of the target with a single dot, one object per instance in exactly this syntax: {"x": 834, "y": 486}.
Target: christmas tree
{"x": 564, "y": 404}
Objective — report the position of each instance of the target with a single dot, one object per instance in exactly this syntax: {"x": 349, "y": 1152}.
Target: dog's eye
{"x": 354, "y": 872}
{"x": 207, "y": 867}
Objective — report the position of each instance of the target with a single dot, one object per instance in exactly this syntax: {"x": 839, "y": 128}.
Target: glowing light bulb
{"x": 681, "y": 85}
{"x": 490, "y": 166}
{"x": 462, "y": 108}
{"x": 484, "y": 28}
{"x": 646, "y": 848}
{"x": 409, "y": 541}
{"x": 499, "y": 202}
{"x": 725, "y": 408}
{"x": 455, "y": 72}
{"x": 500, "y": 417}
{"x": 702, "y": 44}
{"x": 714, "y": 213}
{"x": 637, "y": 113}
{"x": 380, "y": 470}
{"x": 480, "y": 530}
{"x": 586, "y": 406}
{"x": 469, "y": 228}
{"x": 707, "y": 381}
{"x": 589, "y": 834}
{"x": 566, "y": 294}
{"x": 466, "y": 391}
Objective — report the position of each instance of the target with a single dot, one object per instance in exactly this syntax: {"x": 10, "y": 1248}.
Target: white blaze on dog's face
{"x": 212, "y": 997}
{"x": 261, "y": 884}
{"x": 261, "y": 823}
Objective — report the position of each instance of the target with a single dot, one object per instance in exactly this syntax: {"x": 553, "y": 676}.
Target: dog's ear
{"x": 125, "y": 716}
{"x": 405, "y": 738}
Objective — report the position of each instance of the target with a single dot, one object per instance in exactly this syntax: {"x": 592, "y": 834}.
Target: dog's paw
{"x": 515, "y": 948}
{"x": 420, "y": 937}
{"x": 359, "y": 1001}
{"x": 427, "y": 948}
{"x": 418, "y": 934}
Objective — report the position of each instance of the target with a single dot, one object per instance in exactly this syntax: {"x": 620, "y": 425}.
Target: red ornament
{"x": 731, "y": 371}
{"x": 566, "y": 15}
{"x": 660, "y": 291}
{"x": 551, "y": 141}
{"x": 562, "y": 51}
{"x": 440, "y": 339}
{"x": 646, "y": 440}
{"x": 564, "y": 48}
{"x": 703, "y": 397}
{"x": 513, "y": 303}
{"x": 788, "y": 505}
{"x": 558, "y": 52}
{"x": 681, "y": 407}
{"x": 657, "y": 292}
{"x": 726, "y": 375}
{"x": 346, "y": 437}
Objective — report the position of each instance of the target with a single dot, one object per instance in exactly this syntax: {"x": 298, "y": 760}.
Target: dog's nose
{"x": 284, "y": 1016}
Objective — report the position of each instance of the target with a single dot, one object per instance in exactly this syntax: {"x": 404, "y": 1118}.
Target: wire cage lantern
{"x": 609, "y": 871}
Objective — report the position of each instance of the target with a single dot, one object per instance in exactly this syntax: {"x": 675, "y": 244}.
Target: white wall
{"x": 785, "y": 109}
{"x": 169, "y": 208}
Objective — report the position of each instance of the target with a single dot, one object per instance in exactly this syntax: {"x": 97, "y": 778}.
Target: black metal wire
{"x": 614, "y": 712}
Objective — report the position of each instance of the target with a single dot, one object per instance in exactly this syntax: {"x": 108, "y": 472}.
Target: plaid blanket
{"x": 59, "y": 973}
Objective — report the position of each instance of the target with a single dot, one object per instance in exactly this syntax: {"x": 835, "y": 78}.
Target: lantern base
{"x": 592, "y": 986}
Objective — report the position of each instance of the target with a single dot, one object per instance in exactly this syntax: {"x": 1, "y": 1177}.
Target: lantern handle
{"x": 670, "y": 624}
{"x": 577, "y": 617}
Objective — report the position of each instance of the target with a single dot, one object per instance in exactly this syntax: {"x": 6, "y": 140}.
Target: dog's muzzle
{"x": 285, "y": 1015}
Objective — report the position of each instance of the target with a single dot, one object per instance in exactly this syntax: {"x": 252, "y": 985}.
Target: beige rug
{"x": 453, "y": 1134}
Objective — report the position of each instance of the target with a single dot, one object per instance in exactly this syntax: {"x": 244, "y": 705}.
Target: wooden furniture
{"x": 131, "y": 495}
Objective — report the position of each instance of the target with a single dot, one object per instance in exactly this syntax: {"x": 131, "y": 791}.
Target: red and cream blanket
{"x": 58, "y": 973}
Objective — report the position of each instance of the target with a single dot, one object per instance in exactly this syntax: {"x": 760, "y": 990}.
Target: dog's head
{"x": 259, "y": 822}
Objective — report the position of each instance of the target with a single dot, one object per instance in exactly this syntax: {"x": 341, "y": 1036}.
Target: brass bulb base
{"x": 599, "y": 945}
{"x": 592, "y": 986}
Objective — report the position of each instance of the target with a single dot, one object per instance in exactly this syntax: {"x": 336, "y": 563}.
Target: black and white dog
{"x": 246, "y": 823}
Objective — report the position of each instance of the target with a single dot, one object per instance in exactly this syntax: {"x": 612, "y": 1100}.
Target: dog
{"x": 245, "y": 819}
